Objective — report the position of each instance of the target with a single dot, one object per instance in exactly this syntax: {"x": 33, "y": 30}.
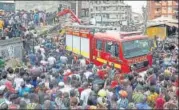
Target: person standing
{"x": 36, "y": 19}
{"x": 1, "y": 26}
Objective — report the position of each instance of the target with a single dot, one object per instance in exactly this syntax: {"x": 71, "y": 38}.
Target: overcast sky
{"x": 136, "y": 5}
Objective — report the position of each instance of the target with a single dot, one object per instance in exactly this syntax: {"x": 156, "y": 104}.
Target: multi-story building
{"x": 49, "y": 6}
{"x": 110, "y": 13}
{"x": 137, "y": 18}
{"x": 159, "y": 8}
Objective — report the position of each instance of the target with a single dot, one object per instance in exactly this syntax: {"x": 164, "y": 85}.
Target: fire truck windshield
{"x": 135, "y": 48}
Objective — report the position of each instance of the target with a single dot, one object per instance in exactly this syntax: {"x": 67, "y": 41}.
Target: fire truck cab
{"x": 110, "y": 47}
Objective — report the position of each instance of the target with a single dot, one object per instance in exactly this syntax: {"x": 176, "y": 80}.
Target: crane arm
{"x": 66, "y": 11}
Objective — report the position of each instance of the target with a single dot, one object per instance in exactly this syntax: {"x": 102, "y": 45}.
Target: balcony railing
{"x": 116, "y": 12}
{"x": 109, "y": 20}
{"x": 106, "y": 5}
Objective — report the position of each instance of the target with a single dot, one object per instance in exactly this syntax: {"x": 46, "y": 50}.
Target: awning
{"x": 172, "y": 25}
{"x": 163, "y": 23}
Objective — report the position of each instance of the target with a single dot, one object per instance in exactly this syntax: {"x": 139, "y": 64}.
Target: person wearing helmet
{"x": 102, "y": 93}
{"x": 122, "y": 101}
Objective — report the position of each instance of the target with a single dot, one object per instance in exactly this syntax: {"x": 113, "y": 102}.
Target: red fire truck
{"x": 124, "y": 50}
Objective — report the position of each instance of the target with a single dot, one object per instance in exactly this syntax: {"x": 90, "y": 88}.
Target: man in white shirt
{"x": 18, "y": 80}
{"x": 37, "y": 48}
{"x": 82, "y": 63}
{"x": 88, "y": 73}
{"x": 64, "y": 88}
{"x": 63, "y": 59}
{"x": 51, "y": 60}
{"x": 85, "y": 94}
{"x": 42, "y": 49}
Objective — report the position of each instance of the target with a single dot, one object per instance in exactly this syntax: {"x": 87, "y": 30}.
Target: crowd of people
{"x": 13, "y": 24}
{"x": 53, "y": 78}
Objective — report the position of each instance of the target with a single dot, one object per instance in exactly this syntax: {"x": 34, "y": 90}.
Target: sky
{"x": 136, "y": 5}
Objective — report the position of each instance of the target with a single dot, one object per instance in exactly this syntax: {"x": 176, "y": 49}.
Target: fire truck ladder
{"x": 73, "y": 16}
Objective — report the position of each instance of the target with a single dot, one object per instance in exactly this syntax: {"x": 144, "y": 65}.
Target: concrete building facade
{"x": 159, "y": 8}
{"x": 110, "y": 13}
{"x": 137, "y": 18}
{"x": 49, "y": 6}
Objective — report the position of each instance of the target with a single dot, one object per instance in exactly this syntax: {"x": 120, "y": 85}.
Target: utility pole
{"x": 101, "y": 15}
{"x": 145, "y": 16}
{"x": 77, "y": 8}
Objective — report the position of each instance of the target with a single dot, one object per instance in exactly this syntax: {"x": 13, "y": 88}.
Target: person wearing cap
{"x": 122, "y": 101}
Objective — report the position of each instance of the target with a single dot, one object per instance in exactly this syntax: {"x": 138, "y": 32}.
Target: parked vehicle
{"x": 110, "y": 47}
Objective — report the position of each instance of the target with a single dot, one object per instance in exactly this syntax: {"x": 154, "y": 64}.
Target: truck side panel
{"x": 76, "y": 44}
{"x": 85, "y": 47}
{"x": 69, "y": 42}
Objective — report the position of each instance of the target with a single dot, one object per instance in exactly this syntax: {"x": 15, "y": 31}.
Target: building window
{"x": 164, "y": 3}
{"x": 107, "y": 16}
{"x": 158, "y": 1}
{"x": 164, "y": 9}
{"x": 99, "y": 44}
{"x": 169, "y": 3}
{"x": 158, "y": 9}
{"x": 169, "y": 9}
